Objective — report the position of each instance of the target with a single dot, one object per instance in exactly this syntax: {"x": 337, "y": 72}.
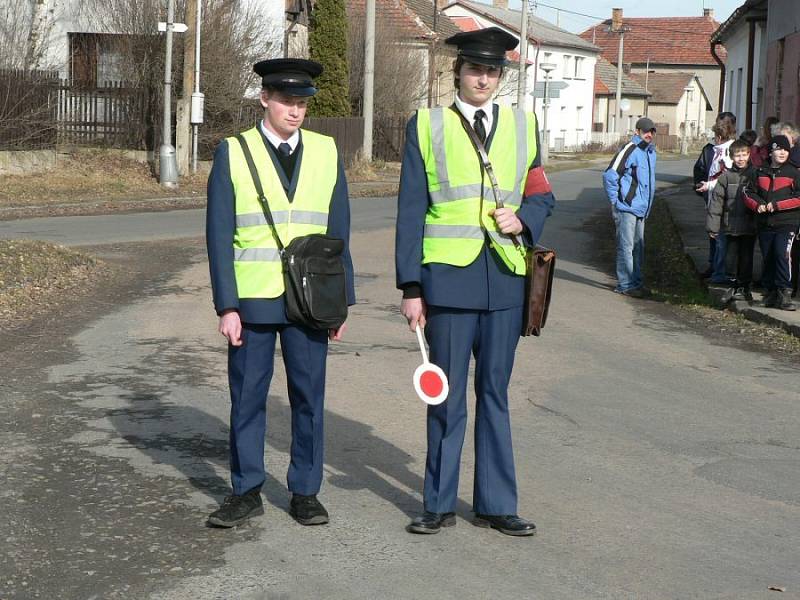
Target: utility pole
{"x": 369, "y": 79}
{"x": 183, "y": 127}
{"x": 432, "y": 70}
{"x": 523, "y": 57}
{"x": 618, "y": 27}
{"x": 168, "y": 168}
{"x": 198, "y": 99}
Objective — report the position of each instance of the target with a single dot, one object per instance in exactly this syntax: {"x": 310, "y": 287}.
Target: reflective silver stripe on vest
{"x": 302, "y": 217}
{"x": 472, "y": 190}
{"x": 500, "y": 238}
{"x": 522, "y": 145}
{"x": 446, "y": 193}
{"x": 437, "y": 139}
{"x": 468, "y": 232}
{"x": 256, "y": 254}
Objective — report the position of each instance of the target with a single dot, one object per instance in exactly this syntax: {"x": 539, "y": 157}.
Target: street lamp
{"x": 685, "y": 140}
{"x": 547, "y": 68}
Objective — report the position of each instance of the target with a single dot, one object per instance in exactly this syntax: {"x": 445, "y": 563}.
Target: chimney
{"x": 500, "y": 4}
{"x": 708, "y": 13}
{"x": 616, "y": 19}
{"x": 440, "y": 4}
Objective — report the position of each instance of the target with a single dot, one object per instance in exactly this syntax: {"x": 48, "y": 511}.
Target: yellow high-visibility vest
{"x": 257, "y": 261}
{"x": 458, "y": 221}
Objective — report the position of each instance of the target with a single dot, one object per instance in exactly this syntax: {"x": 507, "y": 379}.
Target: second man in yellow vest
{"x": 462, "y": 276}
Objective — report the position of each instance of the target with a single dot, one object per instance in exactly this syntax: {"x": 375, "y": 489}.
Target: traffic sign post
{"x": 430, "y": 382}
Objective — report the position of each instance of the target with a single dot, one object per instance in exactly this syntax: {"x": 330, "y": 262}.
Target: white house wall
{"x": 569, "y": 117}
{"x": 736, "y": 73}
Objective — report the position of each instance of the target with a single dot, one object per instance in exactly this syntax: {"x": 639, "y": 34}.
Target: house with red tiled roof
{"x": 570, "y": 61}
{"x": 664, "y": 45}
{"x": 634, "y": 99}
{"x": 677, "y": 102}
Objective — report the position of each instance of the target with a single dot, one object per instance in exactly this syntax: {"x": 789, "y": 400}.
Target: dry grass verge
{"x": 37, "y": 276}
{"x": 87, "y": 175}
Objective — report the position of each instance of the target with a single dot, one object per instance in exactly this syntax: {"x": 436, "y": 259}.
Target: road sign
{"x": 430, "y": 382}
{"x": 553, "y": 89}
{"x": 176, "y": 27}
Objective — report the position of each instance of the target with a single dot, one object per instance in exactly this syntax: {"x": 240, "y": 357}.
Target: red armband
{"x": 537, "y": 182}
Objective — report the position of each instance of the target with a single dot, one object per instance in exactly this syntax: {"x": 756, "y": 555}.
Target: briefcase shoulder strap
{"x": 251, "y": 165}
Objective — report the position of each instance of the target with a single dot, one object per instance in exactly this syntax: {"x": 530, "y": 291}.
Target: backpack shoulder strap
{"x": 621, "y": 157}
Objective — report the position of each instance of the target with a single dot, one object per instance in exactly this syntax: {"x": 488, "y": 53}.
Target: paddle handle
{"x": 422, "y": 345}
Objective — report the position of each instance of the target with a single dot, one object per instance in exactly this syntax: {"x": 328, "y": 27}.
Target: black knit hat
{"x": 780, "y": 141}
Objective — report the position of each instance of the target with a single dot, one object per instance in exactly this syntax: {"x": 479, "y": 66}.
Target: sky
{"x": 630, "y": 8}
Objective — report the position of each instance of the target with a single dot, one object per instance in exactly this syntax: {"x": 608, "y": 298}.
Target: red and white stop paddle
{"x": 430, "y": 382}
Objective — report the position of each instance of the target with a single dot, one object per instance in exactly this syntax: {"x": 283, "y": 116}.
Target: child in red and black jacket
{"x": 774, "y": 194}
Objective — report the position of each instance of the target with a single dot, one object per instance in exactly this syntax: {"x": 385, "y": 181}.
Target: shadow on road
{"x": 196, "y": 444}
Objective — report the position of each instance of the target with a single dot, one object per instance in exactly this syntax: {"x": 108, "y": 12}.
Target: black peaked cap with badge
{"x": 484, "y": 46}
{"x": 294, "y": 76}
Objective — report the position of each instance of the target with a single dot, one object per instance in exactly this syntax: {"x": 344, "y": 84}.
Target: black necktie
{"x": 478, "y": 126}
{"x": 285, "y": 149}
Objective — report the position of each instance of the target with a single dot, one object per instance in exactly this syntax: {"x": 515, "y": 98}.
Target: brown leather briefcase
{"x": 541, "y": 265}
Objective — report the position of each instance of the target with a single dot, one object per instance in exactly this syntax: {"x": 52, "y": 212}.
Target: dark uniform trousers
{"x": 490, "y": 336}
{"x": 250, "y": 369}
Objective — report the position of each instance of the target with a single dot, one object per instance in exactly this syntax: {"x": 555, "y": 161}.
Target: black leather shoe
{"x": 508, "y": 524}
{"x": 307, "y": 510}
{"x": 235, "y": 510}
{"x": 431, "y": 522}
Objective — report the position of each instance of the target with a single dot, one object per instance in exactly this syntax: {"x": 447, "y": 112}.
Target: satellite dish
{"x": 430, "y": 382}
{"x": 625, "y": 104}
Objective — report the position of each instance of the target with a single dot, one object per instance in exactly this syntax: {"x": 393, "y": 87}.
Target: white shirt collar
{"x": 469, "y": 112}
{"x": 276, "y": 141}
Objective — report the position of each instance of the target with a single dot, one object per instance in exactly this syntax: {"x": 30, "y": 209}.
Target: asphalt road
{"x": 657, "y": 462}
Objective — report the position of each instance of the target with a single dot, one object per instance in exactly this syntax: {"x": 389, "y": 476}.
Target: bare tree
{"x": 400, "y": 72}
{"x": 234, "y": 36}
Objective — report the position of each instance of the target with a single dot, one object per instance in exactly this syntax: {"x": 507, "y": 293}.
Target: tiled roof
{"x": 539, "y": 29}
{"x": 470, "y": 24}
{"x": 424, "y": 10}
{"x": 663, "y": 40}
{"x": 605, "y": 81}
{"x": 411, "y": 18}
{"x": 666, "y": 88}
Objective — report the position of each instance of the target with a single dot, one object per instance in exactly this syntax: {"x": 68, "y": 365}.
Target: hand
{"x": 702, "y": 186}
{"x": 414, "y": 310}
{"x": 507, "y": 220}
{"x": 761, "y": 208}
{"x": 230, "y": 325}
{"x": 770, "y": 207}
{"x": 336, "y": 335}
{"x": 713, "y": 236}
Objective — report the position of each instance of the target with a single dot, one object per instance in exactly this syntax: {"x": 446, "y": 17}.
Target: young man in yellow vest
{"x": 304, "y": 183}
{"x": 462, "y": 276}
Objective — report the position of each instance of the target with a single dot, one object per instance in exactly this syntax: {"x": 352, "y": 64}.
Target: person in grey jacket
{"x": 728, "y": 216}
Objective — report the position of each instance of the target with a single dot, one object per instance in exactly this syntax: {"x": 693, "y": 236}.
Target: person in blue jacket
{"x": 630, "y": 183}
{"x": 251, "y": 320}
{"x": 473, "y": 308}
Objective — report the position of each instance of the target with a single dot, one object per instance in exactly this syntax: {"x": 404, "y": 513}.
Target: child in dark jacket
{"x": 774, "y": 195}
{"x": 728, "y": 216}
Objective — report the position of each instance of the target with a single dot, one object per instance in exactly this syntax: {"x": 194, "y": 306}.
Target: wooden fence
{"x": 113, "y": 115}
{"x": 27, "y": 112}
{"x": 37, "y": 110}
